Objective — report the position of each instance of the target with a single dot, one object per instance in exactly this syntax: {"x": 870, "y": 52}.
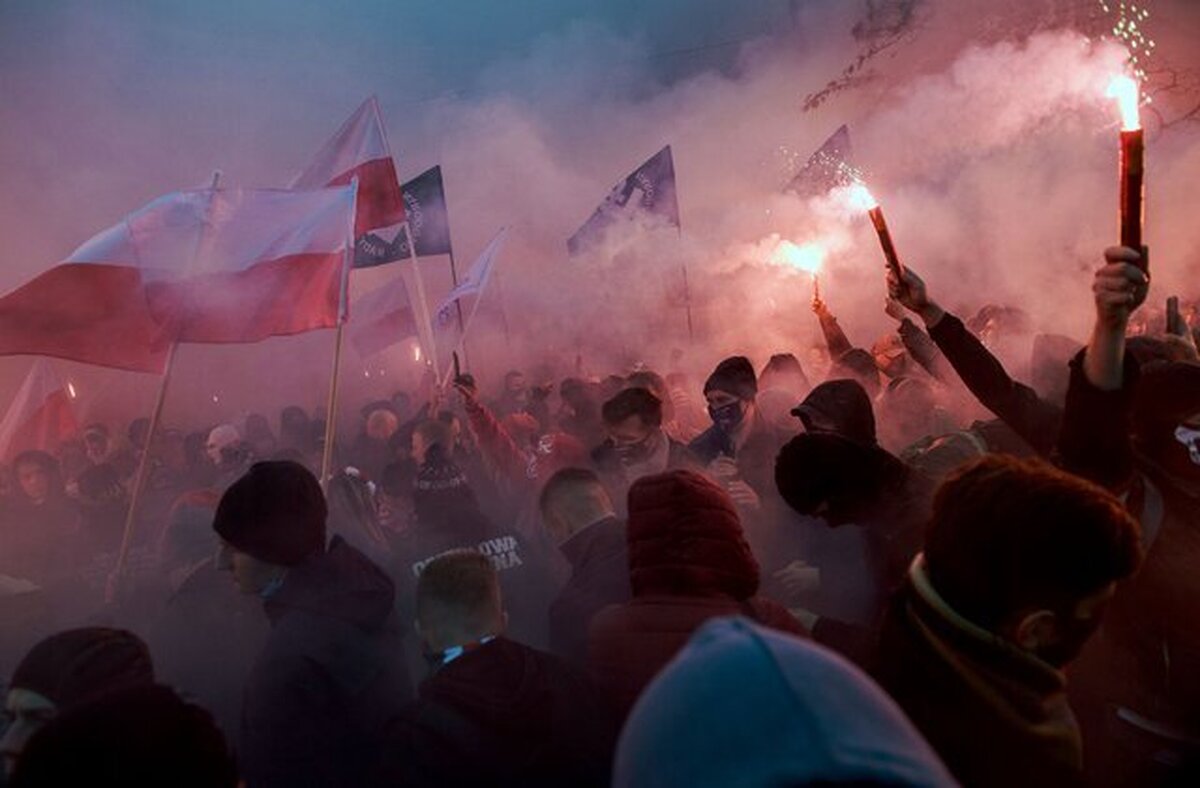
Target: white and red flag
{"x": 211, "y": 265}
{"x": 41, "y": 416}
{"x": 360, "y": 150}
{"x": 382, "y": 318}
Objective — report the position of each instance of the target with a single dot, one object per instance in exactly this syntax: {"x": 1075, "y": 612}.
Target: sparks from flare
{"x": 71, "y": 391}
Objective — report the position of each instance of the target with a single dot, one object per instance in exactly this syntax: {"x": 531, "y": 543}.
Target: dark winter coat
{"x": 331, "y": 674}
{"x": 501, "y": 715}
{"x": 599, "y": 561}
{"x": 997, "y": 716}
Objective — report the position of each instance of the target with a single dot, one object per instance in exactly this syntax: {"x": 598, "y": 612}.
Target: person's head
{"x": 685, "y": 538}
{"x": 65, "y": 670}
{"x": 909, "y": 411}
{"x": 633, "y": 420}
{"x": 657, "y": 385}
{"x": 294, "y": 426}
{"x": 514, "y": 384}
{"x": 841, "y": 407}
{"x": 269, "y": 520}
{"x": 428, "y": 434}
{"x": 858, "y": 365}
{"x": 459, "y": 601}
{"x": 139, "y": 432}
{"x": 571, "y": 500}
{"x": 137, "y": 737}
{"x": 1029, "y": 553}
{"x": 891, "y": 358}
{"x": 96, "y": 442}
{"x": 745, "y": 705}
{"x": 257, "y": 428}
{"x": 37, "y": 475}
{"x": 730, "y": 391}
{"x": 382, "y": 424}
{"x": 783, "y": 371}
{"x": 223, "y": 441}
{"x": 824, "y": 474}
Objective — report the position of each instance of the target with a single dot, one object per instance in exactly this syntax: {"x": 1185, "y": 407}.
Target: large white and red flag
{"x": 41, "y": 416}
{"x": 211, "y": 265}
{"x": 360, "y": 150}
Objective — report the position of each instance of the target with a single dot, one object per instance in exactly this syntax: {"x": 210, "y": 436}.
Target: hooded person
{"x": 688, "y": 562}
{"x": 332, "y": 670}
{"x": 494, "y": 711}
{"x": 448, "y": 517}
{"x": 745, "y": 705}
{"x": 136, "y": 737}
{"x": 1019, "y": 564}
{"x": 880, "y": 503}
{"x": 64, "y": 671}
{"x": 783, "y": 371}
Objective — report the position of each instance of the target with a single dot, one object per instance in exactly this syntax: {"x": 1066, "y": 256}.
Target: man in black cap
{"x": 740, "y": 448}
{"x": 332, "y": 670}
{"x": 64, "y": 671}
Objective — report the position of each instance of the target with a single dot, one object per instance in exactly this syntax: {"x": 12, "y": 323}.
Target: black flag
{"x": 826, "y": 169}
{"x": 425, "y": 207}
{"x": 649, "y": 188}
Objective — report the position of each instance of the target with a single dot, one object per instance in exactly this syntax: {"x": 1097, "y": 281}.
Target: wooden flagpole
{"x": 331, "y": 404}
{"x": 139, "y": 479}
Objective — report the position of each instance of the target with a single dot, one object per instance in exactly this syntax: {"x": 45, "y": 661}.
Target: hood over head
{"x": 744, "y": 705}
{"x": 841, "y": 407}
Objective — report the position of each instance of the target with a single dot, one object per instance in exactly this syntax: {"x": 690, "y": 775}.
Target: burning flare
{"x": 1124, "y": 89}
{"x": 859, "y": 198}
{"x": 809, "y": 257}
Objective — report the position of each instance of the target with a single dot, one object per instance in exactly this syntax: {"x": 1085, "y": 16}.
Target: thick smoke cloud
{"x": 982, "y": 129}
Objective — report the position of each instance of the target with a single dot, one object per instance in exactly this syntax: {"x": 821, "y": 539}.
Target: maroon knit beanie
{"x": 685, "y": 538}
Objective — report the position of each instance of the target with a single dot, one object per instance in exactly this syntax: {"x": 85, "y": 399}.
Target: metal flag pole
{"x": 139, "y": 479}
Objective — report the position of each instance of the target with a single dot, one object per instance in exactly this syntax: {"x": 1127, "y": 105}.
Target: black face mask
{"x": 1074, "y": 633}
{"x": 633, "y": 453}
{"x": 727, "y": 417}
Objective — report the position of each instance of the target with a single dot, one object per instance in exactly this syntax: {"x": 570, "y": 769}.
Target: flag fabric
{"x": 425, "y": 208}
{"x": 476, "y": 279}
{"x": 650, "y": 189}
{"x": 382, "y": 318}
{"x": 360, "y": 150}
{"x": 41, "y": 417}
{"x": 209, "y": 265}
{"x": 826, "y": 169}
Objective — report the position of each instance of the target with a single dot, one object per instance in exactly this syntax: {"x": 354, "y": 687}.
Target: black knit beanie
{"x": 73, "y": 666}
{"x": 275, "y": 513}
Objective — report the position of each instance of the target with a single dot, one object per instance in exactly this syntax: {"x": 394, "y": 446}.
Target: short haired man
{"x": 494, "y": 712}
{"x": 579, "y": 516}
{"x": 637, "y": 444}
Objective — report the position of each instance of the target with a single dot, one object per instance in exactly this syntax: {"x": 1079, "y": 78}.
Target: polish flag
{"x": 212, "y": 265}
{"x": 360, "y": 150}
{"x": 41, "y": 417}
{"x": 382, "y": 318}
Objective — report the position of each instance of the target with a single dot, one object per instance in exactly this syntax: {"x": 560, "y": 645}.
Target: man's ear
{"x": 1035, "y": 630}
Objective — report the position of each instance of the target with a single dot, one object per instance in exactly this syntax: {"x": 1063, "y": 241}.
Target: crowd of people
{"x": 886, "y": 566}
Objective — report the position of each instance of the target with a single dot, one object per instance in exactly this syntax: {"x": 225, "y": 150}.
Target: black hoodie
{"x": 503, "y": 714}
{"x": 331, "y": 674}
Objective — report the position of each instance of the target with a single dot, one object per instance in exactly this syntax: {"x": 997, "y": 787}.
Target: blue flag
{"x": 650, "y": 189}
{"x": 425, "y": 207}
{"x": 826, "y": 169}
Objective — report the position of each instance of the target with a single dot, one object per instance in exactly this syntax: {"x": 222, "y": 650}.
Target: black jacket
{"x": 501, "y": 715}
{"x": 330, "y": 676}
{"x": 599, "y": 558}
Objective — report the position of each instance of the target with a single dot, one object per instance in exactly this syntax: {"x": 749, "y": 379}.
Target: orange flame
{"x": 1124, "y": 89}
{"x": 809, "y": 257}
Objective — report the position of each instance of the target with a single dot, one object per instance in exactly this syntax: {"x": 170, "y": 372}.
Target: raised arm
{"x": 1017, "y": 405}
